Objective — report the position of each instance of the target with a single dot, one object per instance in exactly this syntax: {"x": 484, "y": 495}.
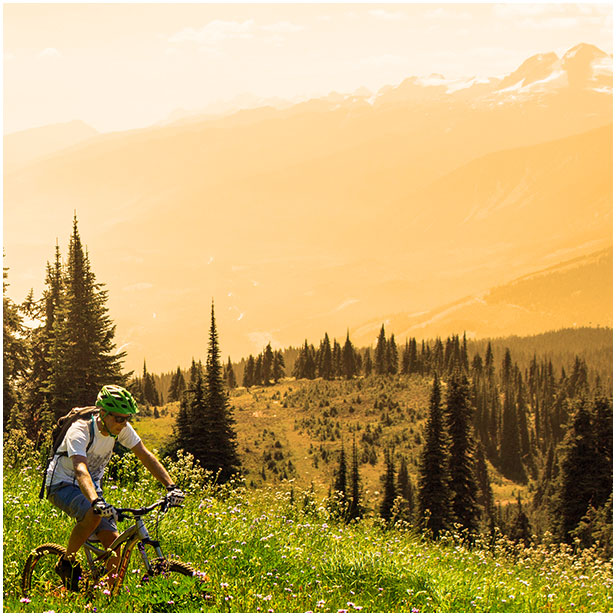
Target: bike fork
{"x": 145, "y": 540}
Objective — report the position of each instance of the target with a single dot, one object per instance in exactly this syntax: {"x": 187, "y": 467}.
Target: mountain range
{"x": 330, "y": 213}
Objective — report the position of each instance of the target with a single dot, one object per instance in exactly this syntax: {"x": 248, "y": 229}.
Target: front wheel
{"x": 174, "y": 586}
{"x": 39, "y": 575}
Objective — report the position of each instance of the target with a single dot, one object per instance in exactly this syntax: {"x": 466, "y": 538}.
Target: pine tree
{"x": 433, "y": 487}
{"x": 326, "y": 368}
{"x": 389, "y": 487}
{"x": 520, "y": 529}
{"x": 82, "y": 351}
{"x": 577, "y": 481}
{"x": 367, "y": 363}
{"x": 268, "y": 364}
{"x": 258, "y": 373}
{"x": 462, "y": 483}
{"x": 177, "y": 387}
{"x": 381, "y": 365}
{"x": 223, "y": 453}
{"x": 406, "y": 492}
{"x": 230, "y": 379}
{"x": 392, "y": 356}
{"x": 349, "y": 369}
{"x": 602, "y": 427}
{"x": 279, "y": 367}
{"x": 336, "y": 359}
{"x": 249, "y": 372}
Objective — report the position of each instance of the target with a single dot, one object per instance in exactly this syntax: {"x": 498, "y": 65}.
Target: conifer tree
{"x": 392, "y": 356}
{"x": 336, "y": 359}
{"x": 349, "y": 369}
{"x": 462, "y": 484}
{"x": 267, "y": 364}
{"x": 406, "y": 491}
{"x": 389, "y": 487}
{"x": 177, "y": 387}
{"x": 249, "y": 372}
{"x": 230, "y": 379}
{"x": 433, "y": 487}
{"x": 520, "y": 529}
{"x": 258, "y": 372}
{"x": 82, "y": 351}
{"x": 602, "y": 427}
{"x": 367, "y": 363}
{"x": 381, "y": 364}
{"x": 510, "y": 454}
{"x": 223, "y": 453}
{"x": 279, "y": 367}
{"x": 326, "y": 368}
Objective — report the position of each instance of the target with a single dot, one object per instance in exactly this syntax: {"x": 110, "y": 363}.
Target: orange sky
{"x": 121, "y": 66}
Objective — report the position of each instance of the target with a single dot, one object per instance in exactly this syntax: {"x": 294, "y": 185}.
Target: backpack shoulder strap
{"x": 92, "y": 420}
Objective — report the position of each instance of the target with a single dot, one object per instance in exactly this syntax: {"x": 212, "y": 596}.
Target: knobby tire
{"x": 39, "y": 575}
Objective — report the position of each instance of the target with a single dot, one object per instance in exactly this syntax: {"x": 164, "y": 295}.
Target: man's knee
{"x": 90, "y": 521}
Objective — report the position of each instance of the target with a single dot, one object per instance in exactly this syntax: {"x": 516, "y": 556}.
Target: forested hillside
{"x": 514, "y": 433}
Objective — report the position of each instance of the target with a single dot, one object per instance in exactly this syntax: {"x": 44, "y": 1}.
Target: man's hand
{"x": 175, "y": 496}
{"x": 100, "y": 507}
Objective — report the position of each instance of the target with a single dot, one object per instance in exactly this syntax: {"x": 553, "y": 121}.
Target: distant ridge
{"x": 575, "y": 293}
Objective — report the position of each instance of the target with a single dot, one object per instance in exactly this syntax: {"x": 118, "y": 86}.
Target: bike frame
{"x": 136, "y": 535}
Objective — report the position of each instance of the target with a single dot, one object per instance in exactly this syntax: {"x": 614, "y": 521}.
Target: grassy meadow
{"x": 280, "y": 549}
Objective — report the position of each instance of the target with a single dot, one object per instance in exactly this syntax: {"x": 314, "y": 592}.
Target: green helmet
{"x": 116, "y": 399}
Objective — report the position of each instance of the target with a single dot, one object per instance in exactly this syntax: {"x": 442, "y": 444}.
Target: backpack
{"x": 59, "y": 432}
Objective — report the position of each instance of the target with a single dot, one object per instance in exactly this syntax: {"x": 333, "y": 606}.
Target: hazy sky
{"x": 119, "y": 66}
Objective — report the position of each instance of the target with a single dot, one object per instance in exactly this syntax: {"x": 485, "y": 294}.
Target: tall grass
{"x": 270, "y": 550}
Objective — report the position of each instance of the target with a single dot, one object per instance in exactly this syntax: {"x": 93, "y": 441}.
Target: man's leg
{"x": 82, "y": 530}
{"x": 107, "y": 537}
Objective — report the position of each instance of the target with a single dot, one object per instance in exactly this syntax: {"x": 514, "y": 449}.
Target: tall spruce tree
{"x": 433, "y": 498}
{"x": 268, "y": 364}
{"x": 223, "y": 455}
{"x": 249, "y": 372}
{"x": 326, "y": 367}
{"x": 368, "y": 366}
{"x": 389, "y": 487}
{"x": 349, "y": 369}
{"x": 406, "y": 491}
{"x": 462, "y": 484}
{"x": 577, "y": 483}
{"x": 229, "y": 376}
{"x": 83, "y": 356}
{"x": 381, "y": 364}
{"x": 279, "y": 367}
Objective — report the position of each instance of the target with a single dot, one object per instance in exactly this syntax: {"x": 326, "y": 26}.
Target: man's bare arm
{"x": 82, "y": 474}
{"x": 149, "y": 460}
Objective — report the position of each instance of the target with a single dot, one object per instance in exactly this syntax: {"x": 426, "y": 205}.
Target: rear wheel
{"x": 39, "y": 575}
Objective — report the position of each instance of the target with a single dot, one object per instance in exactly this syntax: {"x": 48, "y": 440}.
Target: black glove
{"x": 100, "y": 507}
{"x": 175, "y": 496}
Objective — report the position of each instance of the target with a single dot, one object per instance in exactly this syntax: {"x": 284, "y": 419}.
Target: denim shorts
{"x": 72, "y": 501}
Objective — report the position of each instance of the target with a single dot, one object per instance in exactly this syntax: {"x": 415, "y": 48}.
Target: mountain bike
{"x": 39, "y": 575}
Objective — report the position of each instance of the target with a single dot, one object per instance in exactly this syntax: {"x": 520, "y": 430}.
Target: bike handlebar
{"x": 126, "y": 512}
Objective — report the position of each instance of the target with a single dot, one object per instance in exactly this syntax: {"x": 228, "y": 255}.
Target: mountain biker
{"x": 74, "y": 476}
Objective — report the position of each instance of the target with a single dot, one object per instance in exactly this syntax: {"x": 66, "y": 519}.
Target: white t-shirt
{"x": 76, "y": 442}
